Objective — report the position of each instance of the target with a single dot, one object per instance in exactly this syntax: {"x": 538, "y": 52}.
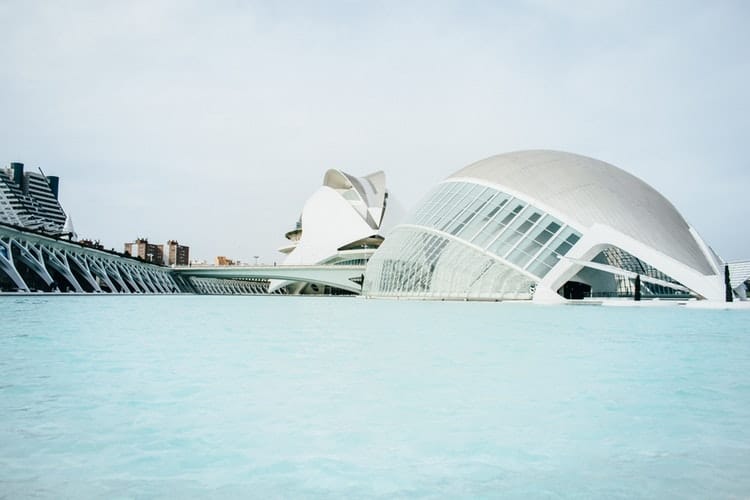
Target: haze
{"x": 212, "y": 122}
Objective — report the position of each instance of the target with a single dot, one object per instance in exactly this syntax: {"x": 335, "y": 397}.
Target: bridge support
{"x": 8, "y": 267}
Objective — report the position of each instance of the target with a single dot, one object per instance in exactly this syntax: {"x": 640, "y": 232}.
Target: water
{"x": 226, "y": 397}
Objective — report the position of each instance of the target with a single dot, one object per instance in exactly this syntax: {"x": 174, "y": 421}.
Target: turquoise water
{"x": 341, "y": 397}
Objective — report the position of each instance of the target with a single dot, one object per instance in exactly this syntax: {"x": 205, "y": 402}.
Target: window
{"x": 499, "y": 223}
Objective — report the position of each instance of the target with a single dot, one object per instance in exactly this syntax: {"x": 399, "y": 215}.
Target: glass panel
{"x": 449, "y": 204}
{"x": 426, "y": 206}
{"x": 460, "y": 206}
{"x": 484, "y": 215}
{"x": 514, "y": 233}
{"x": 534, "y": 241}
{"x": 444, "y": 193}
{"x": 566, "y": 245}
{"x": 538, "y": 268}
{"x": 501, "y": 220}
{"x": 561, "y": 244}
{"x": 467, "y": 215}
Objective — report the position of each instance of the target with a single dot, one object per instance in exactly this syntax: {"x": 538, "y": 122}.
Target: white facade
{"x": 340, "y": 223}
{"x": 544, "y": 225}
{"x": 29, "y": 200}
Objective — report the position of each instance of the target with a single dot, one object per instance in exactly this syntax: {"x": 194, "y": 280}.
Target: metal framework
{"x": 222, "y": 286}
{"x": 32, "y": 262}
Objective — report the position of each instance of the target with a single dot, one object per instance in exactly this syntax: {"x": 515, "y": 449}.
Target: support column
{"x": 154, "y": 281}
{"x": 99, "y": 272}
{"x": 32, "y": 257}
{"x": 166, "y": 282}
{"x": 173, "y": 284}
{"x": 125, "y": 271}
{"x": 113, "y": 271}
{"x": 159, "y": 277}
{"x": 135, "y": 274}
{"x": 60, "y": 263}
{"x": 146, "y": 276}
{"x": 85, "y": 272}
{"x": 8, "y": 266}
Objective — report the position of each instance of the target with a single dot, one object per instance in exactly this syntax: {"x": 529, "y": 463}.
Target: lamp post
{"x": 256, "y": 257}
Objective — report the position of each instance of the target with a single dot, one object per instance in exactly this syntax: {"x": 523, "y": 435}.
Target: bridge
{"x": 348, "y": 278}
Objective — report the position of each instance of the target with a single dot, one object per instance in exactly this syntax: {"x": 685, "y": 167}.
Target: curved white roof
{"x": 590, "y": 191}
{"x": 369, "y": 191}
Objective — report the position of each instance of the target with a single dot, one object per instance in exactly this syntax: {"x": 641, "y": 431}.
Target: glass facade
{"x": 422, "y": 264}
{"x": 472, "y": 241}
{"x": 625, "y": 287}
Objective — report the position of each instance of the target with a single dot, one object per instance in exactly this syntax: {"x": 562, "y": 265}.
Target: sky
{"x": 212, "y": 122}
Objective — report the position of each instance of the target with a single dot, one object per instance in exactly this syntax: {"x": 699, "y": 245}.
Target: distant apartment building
{"x": 224, "y": 261}
{"x": 30, "y": 200}
{"x": 170, "y": 254}
{"x": 176, "y": 254}
{"x": 142, "y": 249}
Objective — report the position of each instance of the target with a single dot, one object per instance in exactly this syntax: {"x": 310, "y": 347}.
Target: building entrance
{"x": 575, "y": 290}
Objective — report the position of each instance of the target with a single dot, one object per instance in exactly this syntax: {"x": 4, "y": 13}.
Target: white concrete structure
{"x": 340, "y": 224}
{"x": 546, "y": 225}
{"x": 33, "y": 262}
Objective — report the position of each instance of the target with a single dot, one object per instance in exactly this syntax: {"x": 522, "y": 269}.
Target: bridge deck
{"x": 337, "y": 276}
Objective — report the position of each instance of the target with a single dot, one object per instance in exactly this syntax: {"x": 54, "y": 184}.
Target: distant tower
{"x": 176, "y": 254}
{"x": 144, "y": 250}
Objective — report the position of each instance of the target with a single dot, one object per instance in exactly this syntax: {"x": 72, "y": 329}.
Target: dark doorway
{"x": 575, "y": 290}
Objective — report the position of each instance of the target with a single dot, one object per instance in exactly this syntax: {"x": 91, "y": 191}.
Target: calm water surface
{"x": 139, "y": 397}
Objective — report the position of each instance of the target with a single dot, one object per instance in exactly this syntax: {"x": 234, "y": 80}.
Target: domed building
{"x": 547, "y": 226}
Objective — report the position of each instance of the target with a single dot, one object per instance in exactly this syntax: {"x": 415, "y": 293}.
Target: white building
{"x": 547, "y": 226}
{"x": 340, "y": 224}
{"x": 29, "y": 200}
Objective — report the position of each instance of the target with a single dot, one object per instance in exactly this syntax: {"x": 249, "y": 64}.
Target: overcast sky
{"x": 212, "y": 122}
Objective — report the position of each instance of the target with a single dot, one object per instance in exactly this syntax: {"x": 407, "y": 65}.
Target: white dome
{"x": 587, "y": 191}
{"x": 543, "y": 225}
